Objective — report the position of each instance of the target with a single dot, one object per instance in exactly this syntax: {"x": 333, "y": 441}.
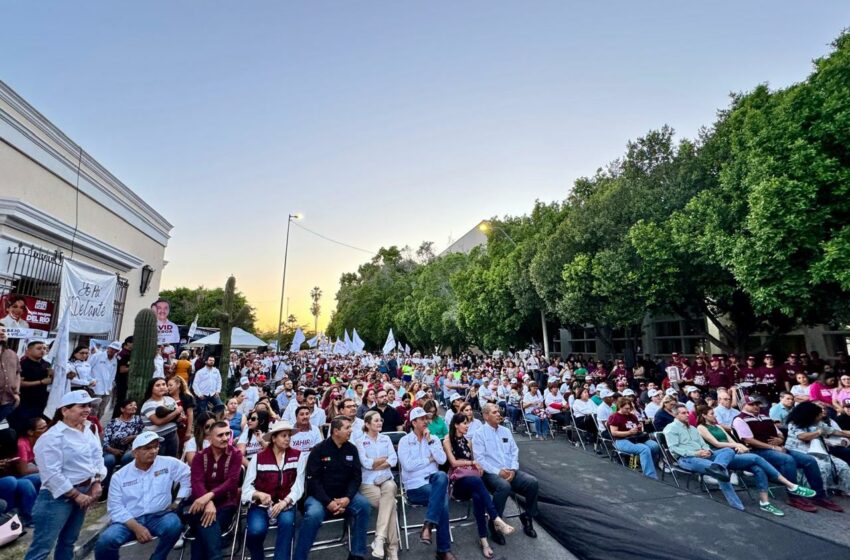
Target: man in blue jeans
{"x": 420, "y": 454}
{"x": 761, "y": 434}
{"x": 333, "y": 476}
{"x": 140, "y": 505}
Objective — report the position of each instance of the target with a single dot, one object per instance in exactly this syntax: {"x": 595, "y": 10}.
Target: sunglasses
{"x": 252, "y": 419}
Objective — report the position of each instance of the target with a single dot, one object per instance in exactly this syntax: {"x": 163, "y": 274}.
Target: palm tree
{"x": 315, "y": 294}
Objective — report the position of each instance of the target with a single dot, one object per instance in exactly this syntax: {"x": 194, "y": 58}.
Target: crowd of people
{"x": 297, "y": 439}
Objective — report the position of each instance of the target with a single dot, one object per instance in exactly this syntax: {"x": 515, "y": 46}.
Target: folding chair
{"x": 405, "y": 526}
{"x": 231, "y": 531}
{"x": 670, "y": 462}
{"x": 582, "y": 434}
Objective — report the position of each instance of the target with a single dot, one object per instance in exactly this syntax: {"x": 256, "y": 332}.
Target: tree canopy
{"x": 206, "y": 303}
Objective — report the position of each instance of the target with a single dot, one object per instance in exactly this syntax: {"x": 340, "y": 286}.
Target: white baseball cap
{"x": 605, "y": 393}
{"x": 78, "y": 397}
{"x": 452, "y": 398}
{"x": 244, "y": 381}
{"x": 671, "y": 392}
{"x": 145, "y": 438}
{"x": 653, "y": 392}
{"x": 115, "y": 345}
{"x": 628, "y": 393}
{"x": 417, "y": 412}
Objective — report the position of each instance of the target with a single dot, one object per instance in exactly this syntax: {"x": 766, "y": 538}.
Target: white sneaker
{"x": 378, "y": 548}
{"x": 733, "y": 480}
{"x": 179, "y": 544}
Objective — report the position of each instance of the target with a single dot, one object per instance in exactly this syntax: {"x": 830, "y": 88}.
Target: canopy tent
{"x": 239, "y": 339}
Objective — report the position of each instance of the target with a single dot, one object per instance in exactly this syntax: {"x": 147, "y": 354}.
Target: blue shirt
{"x": 778, "y": 413}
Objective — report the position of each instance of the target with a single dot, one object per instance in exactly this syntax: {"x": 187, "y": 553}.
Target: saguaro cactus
{"x": 144, "y": 350}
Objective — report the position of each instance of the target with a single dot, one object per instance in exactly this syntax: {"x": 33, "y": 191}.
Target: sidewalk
{"x": 96, "y": 521}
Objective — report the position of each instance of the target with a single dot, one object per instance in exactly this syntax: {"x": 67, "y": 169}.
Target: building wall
{"x": 89, "y": 216}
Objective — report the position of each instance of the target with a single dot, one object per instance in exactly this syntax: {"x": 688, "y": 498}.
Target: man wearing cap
{"x": 333, "y": 480}
{"x": 717, "y": 375}
{"x": 251, "y": 393}
{"x": 207, "y": 386}
{"x": 496, "y": 451}
{"x": 104, "y": 366}
{"x": 761, "y": 434}
{"x": 140, "y": 505}
{"x": 274, "y": 482}
{"x": 654, "y": 404}
{"x": 791, "y": 369}
{"x": 604, "y": 410}
{"x": 420, "y": 454}
{"x": 749, "y": 372}
{"x": 768, "y": 378}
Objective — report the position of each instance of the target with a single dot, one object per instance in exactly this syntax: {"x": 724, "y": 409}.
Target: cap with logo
{"x": 78, "y": 397}
{"x": 145, "y": 438}
{"x": 417, "y": 412}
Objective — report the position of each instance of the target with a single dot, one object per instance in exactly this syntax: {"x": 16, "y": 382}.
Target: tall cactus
{"x": 144, "y": 350}
{"x": 229, "y": 315}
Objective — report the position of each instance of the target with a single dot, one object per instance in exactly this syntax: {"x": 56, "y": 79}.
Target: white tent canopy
{"x": 239, "y": 339}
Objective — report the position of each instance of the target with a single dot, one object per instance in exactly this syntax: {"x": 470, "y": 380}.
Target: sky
{"x": 384, "y": 123}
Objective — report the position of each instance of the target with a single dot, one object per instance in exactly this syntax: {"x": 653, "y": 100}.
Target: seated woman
{"x": 274, "y": 482}
{"x": 251, "y": 440}
{"x": 808, "y": 426}
{"x": 25, "y": 466}
{"x": 556, "y": 406}
{"x": 233, "y": 417}
{"x": 535, "y": 411}
{"x": 717, "y": 437}
{"x": 467, "y": 483}
{"x": 198, "y": 442}
{"x": 583, "y": 409}
{"x": 513, "y": 404}
{"x": 377, "y": 457}
{"x": 16, "y": 492}
{"x": 628, "y": 435}
{"x": 665, "y": 415}
{"x": 119, "y": 434}
{"x": 437, "y": 426}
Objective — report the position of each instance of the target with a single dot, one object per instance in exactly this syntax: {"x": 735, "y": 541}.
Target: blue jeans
{"x": 761, "y": 469}
{"x": 207, "y": 544}
{"x": 358, "y": 512}
{"x": 6, "y": 410}
{"x": 722, "y": 457}
{"x": 514, "y": 413}
{"x": 59, "y": 524}
{"x": 435, "y": 495}
{"x": 647, "y": 451}
{"x": 258, "y": 527}
{"x": 19, "y": 493}
{"x": 788, "y": 462}
{"x": 165, "y": 525}
{"x": 472, "y": 488}
{"x": 213, "y": 400}
{"x": 541, "y": 425}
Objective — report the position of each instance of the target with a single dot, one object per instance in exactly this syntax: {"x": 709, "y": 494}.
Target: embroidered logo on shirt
{"x": 326, "y": 459}
{"x": 349, "y": 457}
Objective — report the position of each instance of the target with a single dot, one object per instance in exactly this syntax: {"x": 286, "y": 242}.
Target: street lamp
{"x": 296, "y": 216}
{"x": 487, "y": 227}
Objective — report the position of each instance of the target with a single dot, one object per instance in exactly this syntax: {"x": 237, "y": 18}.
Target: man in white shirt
{"x": 317, "y": 413}
{"x": 159, "y": 364}
{"x": 207, "y": 386}
{"x": 104, "y": 365}
{"x": 348, "y": 408}
{"x": 140, "y": 505}
{"x": 293, "y": 404}
{"x": 497, "y": 453}
{"x": 603, "y": 411}
{"x": 251, "y": 393}
{"x": 420, "y": 454}
{"x": 306, "y": 435}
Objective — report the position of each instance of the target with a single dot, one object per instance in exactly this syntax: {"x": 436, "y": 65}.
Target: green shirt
{"x": 438, "y": 427}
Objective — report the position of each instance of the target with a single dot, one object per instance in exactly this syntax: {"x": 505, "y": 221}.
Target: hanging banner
{"x": 167, "y": 331}
{"x": 25, "y": 312}
{"x": 88, "y": 296}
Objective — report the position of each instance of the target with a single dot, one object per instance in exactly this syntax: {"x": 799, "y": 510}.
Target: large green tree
{"x": 204, "y": 302}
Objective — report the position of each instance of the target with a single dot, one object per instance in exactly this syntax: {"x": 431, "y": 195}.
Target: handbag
{"x": 463, "y": 472}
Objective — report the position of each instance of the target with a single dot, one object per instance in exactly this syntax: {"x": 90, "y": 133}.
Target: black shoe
{"x": 353, "y": 557}
{"x": 718, "y": 471}
{"x": 495, "y": 535}
{"x": 527, "y": 527}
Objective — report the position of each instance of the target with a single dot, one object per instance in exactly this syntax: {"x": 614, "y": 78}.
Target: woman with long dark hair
{"x": 467, "y": 483}
{"x": 251, "y": 440}
{"x": 120, "y": 432}
{"x": 161, "y": 414}
{"x": 808, "y": 428}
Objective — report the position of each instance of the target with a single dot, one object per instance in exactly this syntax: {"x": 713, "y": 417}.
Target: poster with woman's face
{"x": 25, "y": 312}
{"x": 167, "y": 331}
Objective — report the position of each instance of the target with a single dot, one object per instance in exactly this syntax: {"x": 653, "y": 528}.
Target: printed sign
{"x": 167, "y": 331}
{"x": 14, "y": 332}
{"x": 25, "y": 312}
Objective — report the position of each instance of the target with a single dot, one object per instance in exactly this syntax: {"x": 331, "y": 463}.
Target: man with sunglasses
{"x": 140, "y": 505}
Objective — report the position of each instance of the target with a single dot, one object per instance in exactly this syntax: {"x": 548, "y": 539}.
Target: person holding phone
{"x": 274, "y": 482}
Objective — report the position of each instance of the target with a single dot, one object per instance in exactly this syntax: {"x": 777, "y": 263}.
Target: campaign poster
{"x": 167, "y": 331}
{"x": 25, "y": 312}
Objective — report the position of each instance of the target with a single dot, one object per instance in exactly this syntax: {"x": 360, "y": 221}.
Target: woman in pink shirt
{"x": 841, "y": 393}
{"x": 820, "y": 391}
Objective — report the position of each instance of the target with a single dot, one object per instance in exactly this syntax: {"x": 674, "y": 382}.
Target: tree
{"x": 204, "y": 302}
{"x": 315, "y": 308}
{"x": 230, "y": 314}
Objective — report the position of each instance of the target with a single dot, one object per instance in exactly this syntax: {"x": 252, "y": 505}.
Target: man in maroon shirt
{"x": 717, "y": 375}
{"x": 748, "y": 373}
{"x": 215, "y": 491}
{"x": 768, "y": 379}
{"x": 791, "y": 369}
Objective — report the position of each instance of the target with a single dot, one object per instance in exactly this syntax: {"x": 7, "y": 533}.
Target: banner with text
{"x": 88, "y": 295}
{"x": 25, "y": 312}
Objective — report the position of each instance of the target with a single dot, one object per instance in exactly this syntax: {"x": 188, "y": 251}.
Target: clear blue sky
{"x": 384, "y": 122}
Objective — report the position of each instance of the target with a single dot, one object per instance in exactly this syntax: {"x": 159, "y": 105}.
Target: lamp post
{"x": 296, "y": 216}
{"x": 488, "y": 226}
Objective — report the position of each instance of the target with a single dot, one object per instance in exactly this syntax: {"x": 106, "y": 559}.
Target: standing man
{"x": 495, "y": 449}
{"x": 215, "y": 491}
{"x": 140, "y": 505}
{"x": 393, "y": 422}
{"x": 36, "y": 377}
{"x": 122, "y": 377}
{"x": 251, "y": 394}
{"x": 104, "y": 366}
{"x": 10, "y": 377}
{"x": 207, "y": 386}
{"x": 420, "y": 454}
{"x": 333, "y": 480}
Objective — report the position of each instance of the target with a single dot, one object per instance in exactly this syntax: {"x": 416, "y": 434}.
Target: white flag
{"x": 340, "y": 348}
{"x": 407, "y": 349}
{"x": 193, "y": 327}
{"x": 347, "y": 340}
{"x": 59, "y": 355}
{"x": 297, "y": 339}
{"x": 358, "y": 343}
{"x": 313, "y": 341}
{"x": 389, "y": 345}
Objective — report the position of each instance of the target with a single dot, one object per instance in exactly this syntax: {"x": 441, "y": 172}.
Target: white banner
{"x": 25, "y": 333}
{"x": 88, "y": 296}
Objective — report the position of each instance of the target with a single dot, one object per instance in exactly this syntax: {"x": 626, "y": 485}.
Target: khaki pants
{"x": 383, "y": 498}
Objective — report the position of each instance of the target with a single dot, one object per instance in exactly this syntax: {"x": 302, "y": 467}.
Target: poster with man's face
{"x": 167, "y": 331}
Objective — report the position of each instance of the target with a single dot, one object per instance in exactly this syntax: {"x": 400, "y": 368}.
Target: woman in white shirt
{"x": 70, "y": 461}
{"x": 377, "y": 457}
{"x": 583, "y": 409}
{"x": 556, "y": 406}
{"x": 473, "y": 422}
{"x": 78, "y": 365}
{"x": 251, "y": 439}
{"x": 533, "y": 409}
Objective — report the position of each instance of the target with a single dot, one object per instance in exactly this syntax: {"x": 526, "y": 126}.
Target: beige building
{"x": 58, "y": 202}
